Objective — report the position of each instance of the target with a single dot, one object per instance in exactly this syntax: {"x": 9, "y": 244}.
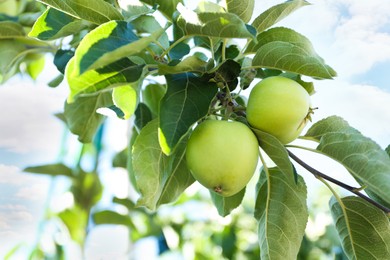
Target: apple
{"x": 222, "y": 155}
{"x": 280, "y": 107}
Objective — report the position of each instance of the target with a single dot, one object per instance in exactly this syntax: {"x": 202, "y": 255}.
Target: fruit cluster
{"x": 223, "y": 155}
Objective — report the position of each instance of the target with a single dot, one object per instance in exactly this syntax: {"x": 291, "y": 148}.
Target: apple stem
{"x": 354, "y": 190}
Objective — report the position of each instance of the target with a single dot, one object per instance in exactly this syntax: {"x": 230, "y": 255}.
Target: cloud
{"x": 27, "y": 121}
{"x": 363, "y": 106}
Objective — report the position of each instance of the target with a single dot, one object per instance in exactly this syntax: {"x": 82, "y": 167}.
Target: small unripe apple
{"x": 222, "y": 155}
{"x": 280, "y": 107}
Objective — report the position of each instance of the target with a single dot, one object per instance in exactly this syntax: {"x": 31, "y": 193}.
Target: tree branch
{"x": 354, "y": 190}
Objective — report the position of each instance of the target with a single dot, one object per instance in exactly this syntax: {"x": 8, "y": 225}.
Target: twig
{"x": 354, "y": 190}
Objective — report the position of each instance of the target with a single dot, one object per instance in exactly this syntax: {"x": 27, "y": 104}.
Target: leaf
{"x": 222, "y": 25}
{"x": 186, "y": 101}
{"x": 226, "y": 74}
{"x": 81, "y": 116}
{"x": 362, "y": 157}
{"x": 125, "y": 98}
{"x": 75, "y": 219}
{"x": 388, "y": 149}
{"x": 143, "y": 115}
{"x": 284, "y": 49}
{"x": 207, "y": 6}
{"x": 149, "y": 24}
{"x": 276, "y": 13}
{"x": 35, "y": 64}
{"x": 129, "y": 204}
{"x": 332, "y": 124}
{"x": 10, "y": 30}
{"x": 160, "y": 178}
{"x": 166, "y": 7}
{"x": 57, "y": 169}
{"x": 87, "y": 189}
{"x": 10, "y": 52}
{"x": 61, "y": 59}
{"x": 225, "y": 205}
{"x": 364, "y": 230}
{"x": 179, "y": 51}
{"x": 152, "y": 95}
{"x": 282, "y": 214}
{"x": 115, "y": 74}
{"x": 108, "y": 43}
{"x": 242, "y": 8}
{"x": 189, "y": 64}
{"x": 275, "y": 150}
{"x": 99, "y": 12}
{"x": 129, "y": 165}
{"x": 53, "y": 24}
{"x": 133, "y": 9}
{"x": 112, "y": 217}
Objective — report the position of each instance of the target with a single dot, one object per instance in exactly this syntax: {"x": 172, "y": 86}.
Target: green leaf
{"x": 222, "y": 25}
{"x": 276, "y": 13}
{"x": 275, "y": 150}
{"x": 10, "y": 53}
{"x": 143, "y": 115}
{"x": 125, "y": 98}
{"x": 160, "y": 178}
{"x": 112, "y": 217}
{"x": 242, "y": 8}
{"x": 75, "y": 219}
{"x": 35, "y": 64}
{"x": 57, "y": 169}
{"x": 332, "y": 124}
{"x": 149, "y": 24}
{"x": 388, "y": 149}
{"x": 226, "y": 74}
{"x": 282, "y": 214}
{"x": 166, "y": 7}
{"x": 53, "y": 24}
{"x": 152, "y": 95}
{"x": 9, "y": 30}
{"x": 108, "y": 43}
{"x": 129, "y": 204}
{"x": 179, "y": 51}
{"x": 186, "y": 101}
{"x": 285, "y": 49}
{"x": 81, "y": 116}
{"x": 56, "y": 81}
{"x": 364, "y": 230}
{"x": 97, "y": 12}
{"x": 134, "y": 9}
{"x": 361, "y": 156}
{"x": 129, "y": 165}
{"x": 115, "y": 74}
{"x": 87, "y": 189}
{"x": 225, "y": 205}
{"x": 61, "y": 59}
{"x": 189, "y": 64}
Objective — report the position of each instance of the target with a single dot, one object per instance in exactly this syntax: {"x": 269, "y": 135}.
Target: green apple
{"x": 222, "y": 155}
{"x": 280, "y": 107}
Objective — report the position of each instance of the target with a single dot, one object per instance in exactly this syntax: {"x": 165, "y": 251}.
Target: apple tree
{"x": 169, "y": 69}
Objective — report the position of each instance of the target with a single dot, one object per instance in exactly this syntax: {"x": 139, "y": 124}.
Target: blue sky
{"x": 352, "y": 36}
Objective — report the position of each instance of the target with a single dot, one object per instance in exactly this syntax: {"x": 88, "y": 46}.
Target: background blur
{"x": 352, "y": 36}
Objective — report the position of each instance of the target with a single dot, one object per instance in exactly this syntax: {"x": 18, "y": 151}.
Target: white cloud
{"x": 27, "y": 121}
{"x": 363, "y": 106}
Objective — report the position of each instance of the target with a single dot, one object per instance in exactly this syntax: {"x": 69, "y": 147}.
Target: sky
{"x": 352, "y": 36}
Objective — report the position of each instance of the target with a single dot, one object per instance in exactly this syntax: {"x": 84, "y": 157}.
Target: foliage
{"x": 167, "y": 74}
